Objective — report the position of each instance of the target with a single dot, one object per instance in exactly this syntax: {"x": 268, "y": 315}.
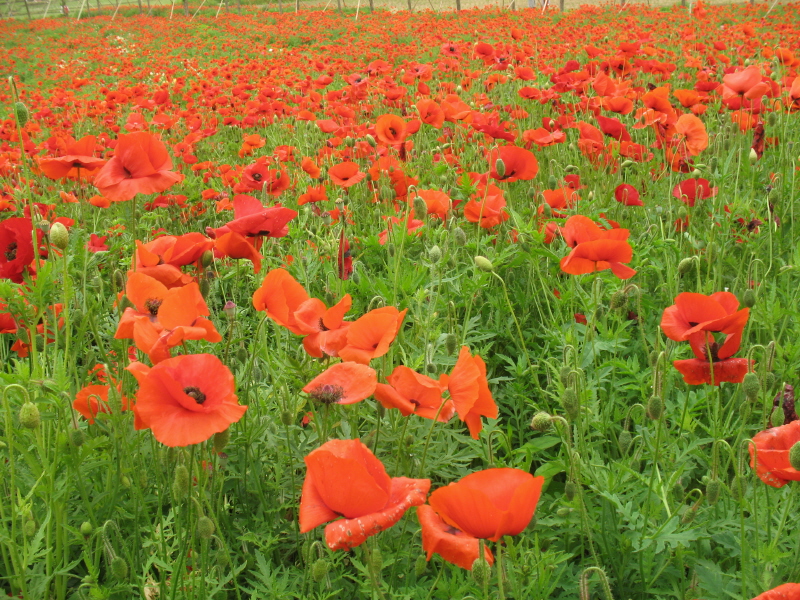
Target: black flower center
{"x": 11, "y": 251}
{"x": 257, "y": 176}
{"x": 327, "y": 394}
{"x": 195, "y": 393}
{"x": 152, "y": 305}
{"x": 322, "y": 325}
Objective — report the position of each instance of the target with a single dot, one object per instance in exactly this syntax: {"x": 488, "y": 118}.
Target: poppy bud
{"x": 751, "y": 386}
{"x": 481, "y": 571}
{"x": 685, "y": 265}
{"x": 625, "y": 440}
{"x": 626, "y": 164}
{"x": 326, "y": 218}
{"x": 205, "y": 527}
{"x": 774, "y": 195}
{"x": 119, "y": 568}
{"x": 690, "y": 513}
{"x": 23, "y": 335}
{"x": 420, "y": 566}
{"x": 571, "y": 169}
{"x": 369, "y": 439}
{"x": 221, "y": 440}
{"x": 794, "y": 456}
{"x": 619, "y": 300}
{"x": 430, "y": 368}
{"x": 223, "y": 560}
{"x": 450, "y": 343}
{"x": 678, "y": 489}
{"x": 749, "y": 298}
{"x": 180, "y": 484}
{"x": 420, "y": 208}
{"x": 21, "y": 113}
{"x": 500, "y": 167}
{"x": 242, "y": 355}
{"x": 39, "y": 341}
{"x": 772, "y": 119}
{"x": 43, "y": 226}
{"x": 570, "y": 490}
{"x": 738, "y": 487}
{"x": 29, "y": 528}
{"x": 355, "y": 277}
{"x": 564, "y": 512}
{"x": 591, "y": 195}
{"x": 59, "y": 236}
{"x": 206, "y": 258}
{"x": 563, "y": 375}
{"x": 125, "y": 482}
{"x": 753, "y": 156}
{"x": 459, "y": 237}
{"x": 552, "y": 182}
{"x": 375, "y": 561}
{"x": 205, "y": 287}
{"x": 371, "y": 140}
{"x": 713, "y": 490}
{"x": 547, "y": 210}
{"x": 541, "y": 421}
{"x": 484, "y": 264}
{"x": 86, "y": 529}
{"x": 76, "y": 437}
{"x": 319, "y": 570}
{"x": 229, "y": 309}
{"x": 29, "y": 416}
{"x": 390, "y": 249}
{"x": 571, "y": 403}
{"x": 435, "y": 254}
{"x": 655, "y": 407}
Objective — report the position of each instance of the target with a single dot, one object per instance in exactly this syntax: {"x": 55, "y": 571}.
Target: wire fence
{"x": 76, "y": 9}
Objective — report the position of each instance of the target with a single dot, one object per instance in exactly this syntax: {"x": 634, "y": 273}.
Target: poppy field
{"x": 488, "y": 304}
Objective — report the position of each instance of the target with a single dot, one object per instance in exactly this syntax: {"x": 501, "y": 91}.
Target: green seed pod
{"x": 655, "y": 407}
{"x": 459, "y": 237}
{"x": 29, "y": 416}
{"x": 435, "y": 254}
{"x": 43, "y": 226}
{"x": 119, "y": 568}
{"x": 484, "y": 264}
{"x": 564, "y": 512}
{"x": 794, "y": 456}
{"x": 541, "y": 421}
{"x": 76, "y": 437}
{"x": 420, "y": 208}
{"x": 571, "y": 403}
{"x": 319, "y": 570}
{"x": 738, "y": 488}
{"x": 450, "y": 343}
{"x": 571, "y": 490}
{"x": 205, "y": 287}
{"x": 420, "y": 566}
{"x": 371, "y": 140}
{"x": 619, "y": 300}
{"x": 59, "y": 236}
{"x": 481, "y": 571}
{"x": 685, "y": 266}
{"x": 749, "y": 298}
{"x": 552, "y": 182}
{"x": 86, "y": 529}
{"x": 205, "y": 527}
{"x": 221, "y": 440}
{"x": 206, "y": 258}
{"x": 625, "y": 440}
{"x": 21, "y": 113}
{"x": 180, "y": 483}
{"x": 751, "y": 386}
{"x": 500, "y": 167}
{"x": 29, "y": 528}
{"x": 713, "y": 491}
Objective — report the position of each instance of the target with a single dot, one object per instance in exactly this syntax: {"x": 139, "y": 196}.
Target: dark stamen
{"x": 195, "y": 393}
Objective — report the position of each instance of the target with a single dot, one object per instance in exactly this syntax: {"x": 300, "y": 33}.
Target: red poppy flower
{"x": 450, "y": 543}
{"x": 162, "y": 258}
{"x": 92, "y": 400}
{"x": 346, "y": 174}
{"x": 430, "y": 113}
{"x": 487, "y": 207}
{"x": 771, "y": 455}
{"x": 78, "y": 161}
{"x": 280, "y": 295}
{"x": 97, "y": 243}
{"x": 141, "y": 165}
{"x": 787, "y": 591}
{"x": 470, "y": 392}
{"x": 489, "y": 504}
{"x": 310, "y": 167}
{"x": 16, "y": 248}
{"x": 236, "y": 246}
{"x": 692, "y": 190}
{"x": 252, "y": 219}
{"x": 343, "y": 383}
{"x": 187, "y": 399}
{"x": 436, "y": 202}
{"x": 345, "y": 479}
{"x": 627, "y": 195}
{"x": 371, "y": 335}
{"x": 698, "y": 371}
{"x": 692, "y": 136}
{"x": 518, "y": 162}
{"x": 413, "y": 393}
{"x": 598, "y": 255}
{"x": 391, "y": 130}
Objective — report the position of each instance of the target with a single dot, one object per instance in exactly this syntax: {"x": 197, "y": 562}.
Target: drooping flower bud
{"x": 625, "y": 440}
{"x": 481, "y": 571}
{"x": 420, "y": 208}
{"x": 21, "y": 113}
{"x": 500, "y": 167}
{"x": 205, "y": 527}
{"x": 751, "y": 386}
{"x": 459, "y": 237}
{"x": 435, "y": 254}
{"x": 119, "y": 568}
{"x": 570, "y": 490}
{"x": 685, "y": 265}
{"x": 319, "y": 570}
{"x": 29, "y": 416}
{"x": 59, "y": 236}
{"x": 484, "y": 264}
{"x": 86, "y": 529}
{"x": 450, "y": 343}
{"x": 655, "y": 407}
{"x": 221, "y": 440}
{"x": 541, "y": 421}
{"x": 571, "y": 403}
{"x": 713, "y": 490}
{"x": 749, "y": 298}
{"x": 180, "y": 484}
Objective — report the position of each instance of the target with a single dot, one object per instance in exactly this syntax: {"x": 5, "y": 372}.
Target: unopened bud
{"x": 738, "y": 487}
{"x": 119, "y": 568}
{"x": 29, "y": 416}
{"x": 59, "y": 236}
{"x": 76, "y": 437}
{"x": 29, "y": 528}
{"x": 713, "y": 491}
{"x": 459, "y": 237}
{"x": 751, "y": 386}
{"x": 205, "y": 287}
{"x": 753, "y": 156}
{"x": 375, "y": 560}
{"x": 221, "y": 440}
{"x": 484, "y": 264}
{"x": 625, "y": 440}
{"x": 552, "y": 182}
{"x": 655, "y": 407}
{"x": 571, "y": 403}
{"x": 86, "y": 529}
{"x": 450, "y": 343}
{"x": 570, "y": 490}
{"x": 541, "y": 421}
{"x": 626, "y": 164}
{"x": 286, "y": 418}
{"x": 749, "y": 298}
{"x": 547, "y": 210}
{"x": 205, "y": 527}
{"x": 420, "y": 208}
{"x": 180, "y": 484}
{"x": 435, "y": 254}
{"x": 319, "y": 570}
{"x": 420, "y": 566}
{"x": 206, "y": 258}
{"x": 481, "y": 571}
{"x": 229, "y": 309}
{"x": 685, "y": 266}
{"x": 619, "y": 300}
{"x": 794, "y": 456}
{"x": 500, "y": 168}
{"x": 119, "y": 280}
{"x": 21, "y": 113}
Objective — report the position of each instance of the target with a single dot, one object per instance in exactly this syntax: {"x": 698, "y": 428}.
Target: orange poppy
{"x": 692, "y": 190}
{"x": 518, "y": 163}
{"x": 343, "y": 383}
{"x": 371, "y": 335}
{"x": 141, "y": 165}
{"x": 280, "y": 295}
{"x": 187, "y": 399}
{"x": 430, "y": 113}
{"x": 694, "y": 137}
{"x": 413, "y": 393}
{"x": 697, "y": 371}
{"x": 92, "y": 400}
{"x": 787, "y": 591}
{"x": 370, "y": 501}
{"x": 436, "y": 202}
{"x": 252, "y": 219}
{"x": 236, "y": 246}
{"x": 771, "y": 455}
{"x": 162, "y": 257}
{"x": 599, "y": 255}
{"x": 391, "y": 130}
{"x": 310, "y": 167}
{"x": 627, "y": 195}
{"x": 450, "y": 543}
{"x": 325, "y": 328}
{"x": 345, "y": 174}
{"x": 469, "y": 391}
{"x": 490, "y": 503}
{"x": 78, "y": 161}
{"x": 487, "y": 207}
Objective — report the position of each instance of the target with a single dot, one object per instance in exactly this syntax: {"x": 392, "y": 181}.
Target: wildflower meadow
{"x": 401, "y": 305}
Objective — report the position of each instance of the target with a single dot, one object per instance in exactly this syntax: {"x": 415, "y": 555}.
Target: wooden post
{"x": 409, "y": 6}
{"x": 27, "y": 9}
{"x": 186, "y": 8}
{"x": 561, "y": 5}
{"x": 458, "y": 5}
